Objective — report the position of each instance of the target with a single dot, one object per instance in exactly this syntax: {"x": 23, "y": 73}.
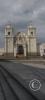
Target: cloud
{"x": 22, "y": 12}
{"x": 15, "y": 10}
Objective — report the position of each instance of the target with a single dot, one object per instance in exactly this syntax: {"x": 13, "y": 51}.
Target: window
{"x": 8, "y": 33}
{"x": 31, "y": 33}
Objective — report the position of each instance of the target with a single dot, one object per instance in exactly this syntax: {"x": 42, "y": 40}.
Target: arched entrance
{"x": 20, "y": 51}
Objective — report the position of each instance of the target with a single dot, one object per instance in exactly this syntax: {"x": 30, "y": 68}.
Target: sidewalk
{"x": 38, "y": 63}
{"x": 42, "y": 66}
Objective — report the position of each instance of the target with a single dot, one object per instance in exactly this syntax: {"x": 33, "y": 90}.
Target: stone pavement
{"x": 35, "y": 65}
{"x": 38, "y": 63}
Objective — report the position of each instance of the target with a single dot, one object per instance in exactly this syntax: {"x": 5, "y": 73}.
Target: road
{"x": 14, "y": 81}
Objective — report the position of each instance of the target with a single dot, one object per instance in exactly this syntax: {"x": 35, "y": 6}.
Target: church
{"x": 22, "y": 44}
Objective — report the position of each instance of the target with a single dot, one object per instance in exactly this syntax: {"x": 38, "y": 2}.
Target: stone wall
{"x": 2, "y": 51}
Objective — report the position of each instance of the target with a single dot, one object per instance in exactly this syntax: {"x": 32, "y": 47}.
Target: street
{"x": 15, "y": 78}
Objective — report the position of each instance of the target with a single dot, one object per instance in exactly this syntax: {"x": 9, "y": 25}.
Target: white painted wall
{"x": 33, "y": 46}
{"x": 1, "y": 51}
{"x": 42, "y": 48}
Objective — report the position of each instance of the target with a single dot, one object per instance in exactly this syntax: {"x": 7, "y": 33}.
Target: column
{"x": 24, "y": 50}
{"x": 15, "y": 48}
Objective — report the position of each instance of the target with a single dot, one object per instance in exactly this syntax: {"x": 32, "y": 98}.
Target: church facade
{"x": 22, "y": 44}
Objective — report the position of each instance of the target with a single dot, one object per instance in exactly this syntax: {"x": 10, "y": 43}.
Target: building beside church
{"x": 22, "y": 44}
{"x": 42, "y": 49}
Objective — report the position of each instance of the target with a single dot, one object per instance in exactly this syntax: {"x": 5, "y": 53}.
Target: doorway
{"x": 20, "y": 51}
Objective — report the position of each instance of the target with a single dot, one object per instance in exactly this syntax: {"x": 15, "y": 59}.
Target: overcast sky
{"x": 22, "y": 13}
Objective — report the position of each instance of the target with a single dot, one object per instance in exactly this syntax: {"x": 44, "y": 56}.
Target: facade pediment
{"x": 20, "y": 38}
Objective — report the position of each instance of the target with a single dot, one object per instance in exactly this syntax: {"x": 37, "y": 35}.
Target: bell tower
{"x": 32, "y": 43}
{"x": 9, "y": 40}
